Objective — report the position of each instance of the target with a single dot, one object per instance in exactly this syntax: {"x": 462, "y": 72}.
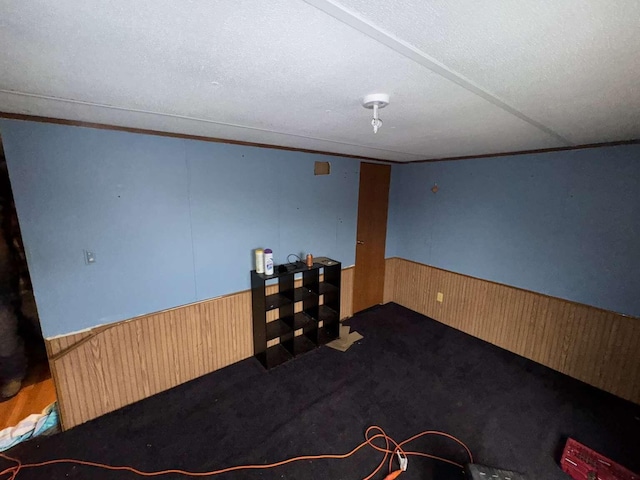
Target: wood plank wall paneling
{"x": 389, "y": 280}
{"x": 593, "y": 345}
{"x": 346, "y": 292}
{"x": 106, "y": 368}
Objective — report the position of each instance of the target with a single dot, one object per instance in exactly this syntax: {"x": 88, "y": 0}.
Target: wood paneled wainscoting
{"x": 593, "y": 345}
{"x": 108, "y": 367}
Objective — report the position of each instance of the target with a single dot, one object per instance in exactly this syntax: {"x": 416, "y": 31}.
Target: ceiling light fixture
{"x": 376, "y": 101}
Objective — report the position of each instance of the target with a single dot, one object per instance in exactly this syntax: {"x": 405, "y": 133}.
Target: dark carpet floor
{"x": 408, "y": 374}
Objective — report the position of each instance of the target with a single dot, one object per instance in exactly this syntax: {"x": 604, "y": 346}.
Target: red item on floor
{"x": 582, "y": 463}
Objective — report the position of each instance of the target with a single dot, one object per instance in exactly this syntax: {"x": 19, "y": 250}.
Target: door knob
{"x": 359, "y": 242}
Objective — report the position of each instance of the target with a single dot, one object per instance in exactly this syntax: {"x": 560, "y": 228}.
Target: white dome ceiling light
{"x": 376, "y": 101}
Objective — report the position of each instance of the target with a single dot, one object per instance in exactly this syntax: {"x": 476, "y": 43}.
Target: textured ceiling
{"x": 465, "y": 78}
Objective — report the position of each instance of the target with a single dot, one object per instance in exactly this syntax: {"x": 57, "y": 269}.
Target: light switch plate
{"x": 439, "y": 297}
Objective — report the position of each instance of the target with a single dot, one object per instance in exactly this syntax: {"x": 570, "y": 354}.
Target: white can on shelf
{"x": 259, "y": 260}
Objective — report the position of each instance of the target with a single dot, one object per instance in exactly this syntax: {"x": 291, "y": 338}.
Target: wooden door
{"x": 373, "y": 202}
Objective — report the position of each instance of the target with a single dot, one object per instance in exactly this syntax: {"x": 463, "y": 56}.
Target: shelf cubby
{"x": 277, "y": 329}
{"x": 276, "y": 300}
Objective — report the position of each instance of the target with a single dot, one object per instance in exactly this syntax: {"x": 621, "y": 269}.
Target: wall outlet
{"x": 440, "y": 297}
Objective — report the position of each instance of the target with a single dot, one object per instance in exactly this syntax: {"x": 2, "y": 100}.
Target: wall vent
{"x": 322, "y": 168}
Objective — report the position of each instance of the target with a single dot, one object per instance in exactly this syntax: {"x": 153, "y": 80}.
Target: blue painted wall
{"x": 171, "y": 221}
{"x": 566, "y": 224}
{"x": 243, "y": 198}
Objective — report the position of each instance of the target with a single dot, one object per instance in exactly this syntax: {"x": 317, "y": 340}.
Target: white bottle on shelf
{"x": 268, "y": 262}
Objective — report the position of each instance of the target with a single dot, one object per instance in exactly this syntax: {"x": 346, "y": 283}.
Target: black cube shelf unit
{"x": 317, "y": 323}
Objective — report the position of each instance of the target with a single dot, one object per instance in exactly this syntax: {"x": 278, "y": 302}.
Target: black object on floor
{"x": 408, "y": 374}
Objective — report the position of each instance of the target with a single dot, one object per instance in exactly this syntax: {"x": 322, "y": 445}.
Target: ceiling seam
{"x": 361, "y": 24}
{"x": 196, "y": 119}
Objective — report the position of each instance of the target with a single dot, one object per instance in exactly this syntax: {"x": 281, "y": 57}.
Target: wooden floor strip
{"x": 36, "y": 394}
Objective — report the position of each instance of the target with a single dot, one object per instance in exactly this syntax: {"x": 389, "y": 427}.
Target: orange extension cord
{"x": 369, "y": 439}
